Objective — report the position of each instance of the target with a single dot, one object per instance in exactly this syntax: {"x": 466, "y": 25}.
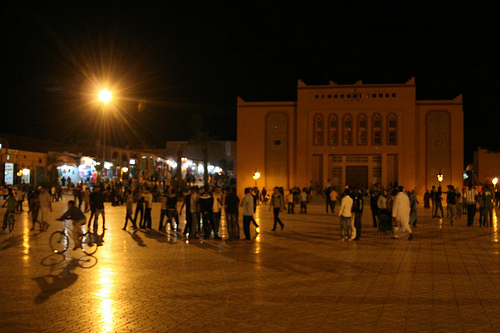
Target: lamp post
{"x": 495, "y": 181}
{"x": 104, "y": 96}
{"x": 440, "y": 177}
{"x": 256, "y": 175}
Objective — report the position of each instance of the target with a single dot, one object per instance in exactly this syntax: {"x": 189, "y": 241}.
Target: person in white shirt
{"x": 217, "y": 207}
{"x": 345, "y": 216}
{"x": 401, "y": 215}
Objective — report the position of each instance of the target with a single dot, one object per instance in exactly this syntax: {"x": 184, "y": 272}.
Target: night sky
{"x": 179, "y": 66}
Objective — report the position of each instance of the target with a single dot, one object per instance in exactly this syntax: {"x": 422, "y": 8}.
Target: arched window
{"x": 362, "y": 130}
{"x": 333, "y": 125}
{"x": 318, "y": 130}
{"x": 377, "y": 129}
{"x": 347, "y": 130}
{"x": 392, "y": 129}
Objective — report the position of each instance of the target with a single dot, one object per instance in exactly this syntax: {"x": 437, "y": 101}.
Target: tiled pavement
{"x": 301, "y": 279}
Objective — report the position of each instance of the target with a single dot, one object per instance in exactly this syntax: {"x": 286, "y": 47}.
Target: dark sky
{"x": 185, "y": 62}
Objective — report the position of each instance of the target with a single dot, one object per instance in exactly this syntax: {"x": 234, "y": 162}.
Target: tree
{"x": 203, "y": 140}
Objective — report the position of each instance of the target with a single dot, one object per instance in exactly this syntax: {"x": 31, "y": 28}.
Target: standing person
{"x": 195, "y": 212}
{"x": 163, "y": 211}
{"x": 291, "y": 205}
{"x": 459, "y": 198}
{"x": 20, "y": 199}
{"x": 129, "y": 200}
{"x": 217, "y": 208}
{"x": 470, "y": 199}
{"x": 427, "y": 199}
{"x": 374, "y": 206}
{"x": 334, "y": 196}
{"x": 277, "y": 204}
{"x": 99, "y": 209}
{"x": 206, "y": 203}
{"x": 247, "y": 203}
{"x": 413, "y": 208}
{"x": 187, "y": 203}
{"x": 86, "y": 199}
{"x": 357, "y": 208}
{"x": 326, "y": 193}
{"x": 34, "y": 207}
{"x": 148, "y": 203}
{"x": 451, "y": 203}
{"x": 439, "y": 202}
{"x": 172, "y": 209}
{"x": 401, "y": 215}
{"x": 303, "y": 201}
{"x": 75, "y": 214}
{"x": 345, "y": 214}
{"x": 139, "y": 209}
{"x": 433, "y": 201}
{"x": 488, "y": 207}
{"x": 231, "y": 204}
{"x": 45, "y": 208}
{"x": 263, "y": 195}
{"x": 480, "y": 200}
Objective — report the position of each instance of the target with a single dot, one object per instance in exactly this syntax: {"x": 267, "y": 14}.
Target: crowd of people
{"x": 392, "y": 209}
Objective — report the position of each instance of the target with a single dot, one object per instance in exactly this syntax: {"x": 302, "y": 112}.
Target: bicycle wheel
{"x": 89, "y": 243}
{"x": 58, "y": 242}
{"x": 10, "y": 222}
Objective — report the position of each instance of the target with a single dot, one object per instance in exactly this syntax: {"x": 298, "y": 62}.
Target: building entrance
{"x": 356, "y": 176}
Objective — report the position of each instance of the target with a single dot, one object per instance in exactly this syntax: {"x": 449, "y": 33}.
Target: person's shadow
{"x": 52, "y": 283}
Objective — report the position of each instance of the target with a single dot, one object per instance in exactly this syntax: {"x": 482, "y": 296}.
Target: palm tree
{"x": 203, "y": 140}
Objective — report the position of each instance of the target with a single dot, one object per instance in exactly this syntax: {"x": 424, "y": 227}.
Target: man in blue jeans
{"x": 247, "y": 204}
{"x": 231, "y": 205}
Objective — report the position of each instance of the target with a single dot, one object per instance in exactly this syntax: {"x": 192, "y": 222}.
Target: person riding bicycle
{"x": 78, "y": 218}
{"x": 11, "y": 203}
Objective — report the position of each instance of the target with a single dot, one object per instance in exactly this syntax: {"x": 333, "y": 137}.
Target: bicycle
{"x": 10, "y": 221}
{"x": 59, "y": 241}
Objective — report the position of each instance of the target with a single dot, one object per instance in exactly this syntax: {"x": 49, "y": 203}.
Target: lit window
{"x": 362, "y": 130}
{"x": 377, "y": 129}
{"x": 392, "y": 129}
{"x": 333, "y": 130}
{"x": 318, "y": 130}
{"x": 347, "y": 130}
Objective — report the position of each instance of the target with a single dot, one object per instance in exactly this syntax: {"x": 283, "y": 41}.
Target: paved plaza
{"x": 301, "y": 279}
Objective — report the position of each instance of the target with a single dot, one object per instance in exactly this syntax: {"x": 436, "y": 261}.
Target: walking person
{"x": 451, "y": 203}
{"x": 34, "y": 207}
{"x": 334, "y": 196}
{"x": 231, "y": 204}
{"x": 163, "y": 211}
{"x": 248, "y": 204}
{"x": 433, "y": 201}
{"x": 488, "y": 207}
{"x": 195, "y": 212}
{"x": 20, "y": 199}
{"x": 439, "y": 202}
{"x": 139, "y": 210}
{"x": 86, "y": 199}
{"x": 357, "y": 208}
{"x": 99, "y": 209}
{"x": 401, "y": 215}
{"x": 129, "y": 200}
{"x": 345, "y": 214}
{"x": 277, "y": 204}
{"x": 45, "y": 208}
{"x": 189, "y": 221}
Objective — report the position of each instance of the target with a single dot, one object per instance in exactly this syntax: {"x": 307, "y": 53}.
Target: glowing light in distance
{"x": 105, "y": 96}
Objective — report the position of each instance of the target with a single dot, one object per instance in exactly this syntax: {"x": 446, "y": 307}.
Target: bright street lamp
{"x": 440, "y": 177}
{"x": 105, "y": 96}
{"x": 256, "y": 176}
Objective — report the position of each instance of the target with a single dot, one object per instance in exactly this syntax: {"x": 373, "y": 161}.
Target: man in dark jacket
{"x": 206, "y": 202}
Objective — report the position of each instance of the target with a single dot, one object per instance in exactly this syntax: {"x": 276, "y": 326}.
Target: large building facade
{"x": 350, "y": 135}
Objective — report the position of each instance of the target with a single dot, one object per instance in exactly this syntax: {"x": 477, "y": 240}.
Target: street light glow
{"x": 495, "y": 181}
{"x": 105, "y": 96}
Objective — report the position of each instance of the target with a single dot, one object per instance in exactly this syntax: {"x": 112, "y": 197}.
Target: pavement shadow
{"x": 160, "y": 237}
{"x": 61, "y": 275}
{"x": 138, "y": 239}
{"x": 11, "y": 242}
